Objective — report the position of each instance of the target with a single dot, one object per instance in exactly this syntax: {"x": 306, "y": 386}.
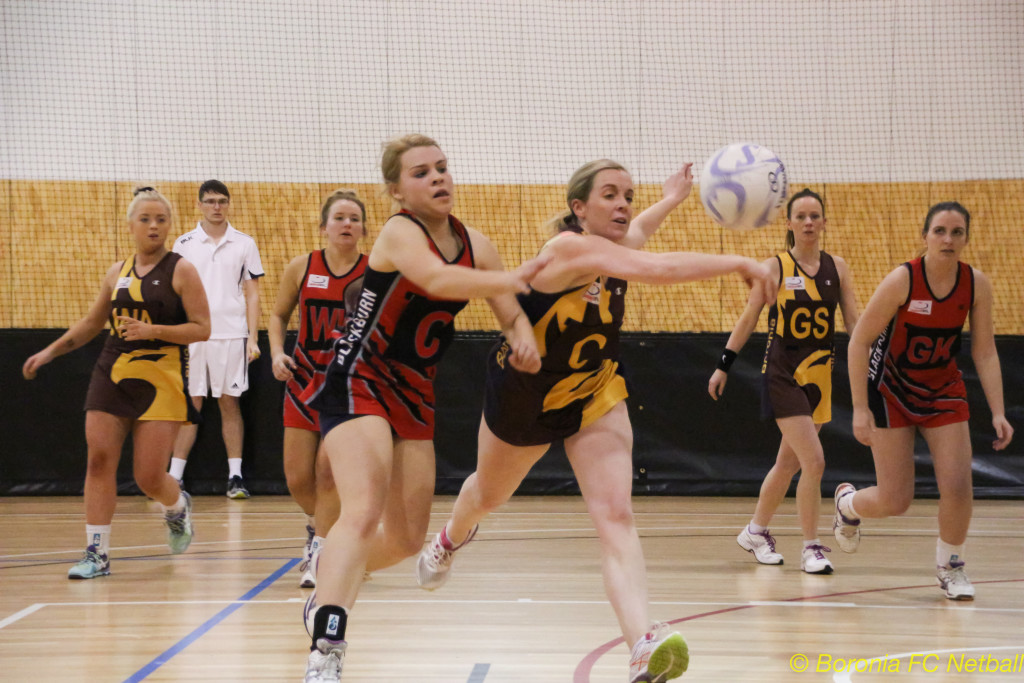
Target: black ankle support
{"x": 329, "y": 622}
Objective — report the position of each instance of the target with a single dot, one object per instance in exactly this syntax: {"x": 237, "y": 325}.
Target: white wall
{"x": 858, "y": 90}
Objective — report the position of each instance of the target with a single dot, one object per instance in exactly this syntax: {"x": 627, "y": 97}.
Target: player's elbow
{"x": 202, "y": 331}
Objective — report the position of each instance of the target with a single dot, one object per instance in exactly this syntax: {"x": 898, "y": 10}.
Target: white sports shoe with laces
{"x": 846, "y": 531}
{"x": 761, "y": 545}
{"x": 813, "y": 560}
{"x": 325, "y": 662}
{"x": 660, "y": 655}
{"x": 954, "y": 581}
{"x": 435, "y": 561}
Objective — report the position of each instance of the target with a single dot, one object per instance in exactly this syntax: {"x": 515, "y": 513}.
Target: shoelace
{"x": 439, "y": 556}
{"x": 769, "y": 539}
{"x": 176, "y": 523}
{"x": 91, "y": 556}
{"x": 956, "y": 576}
{"x": 819, "y": 550}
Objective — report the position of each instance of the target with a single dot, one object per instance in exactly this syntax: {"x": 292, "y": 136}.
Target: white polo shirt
{"x": 223, "y": 266}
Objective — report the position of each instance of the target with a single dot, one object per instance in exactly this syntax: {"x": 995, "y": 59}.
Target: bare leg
{"x": 300, "y": 453}
{"x": 361, "y": 453}
{"x": 186, "y": 438}
{"x": 951, "y": 454}
{"x": 104, "y": 435}
{"x": 328, "y": 505}
{"x": 407, "y": 509}
{"x": 500, "y": 469}
{"x": 601, "y": 458}
{"x": 801, "y": 434}
{"x": 152, "y": 442}
{"x": 776, "y": 484}
{"x": 893, "y": 451}
{"x": 231, "y": 426}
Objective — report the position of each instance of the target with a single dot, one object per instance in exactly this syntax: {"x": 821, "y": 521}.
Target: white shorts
{"x": 217, "y": 367}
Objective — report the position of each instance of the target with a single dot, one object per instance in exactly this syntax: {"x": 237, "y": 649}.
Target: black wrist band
{"x": 725, "y": 362}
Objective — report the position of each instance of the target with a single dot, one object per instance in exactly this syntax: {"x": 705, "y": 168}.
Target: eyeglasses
{"x": 216, "y": 202}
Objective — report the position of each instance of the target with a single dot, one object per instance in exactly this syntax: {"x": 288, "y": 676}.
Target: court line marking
{"x": 520, "y": 601}
{"x": 23, "y": 613}
{"x": 586, "y": 665}
{"x": 541, "y": 535}
{"x": 166, "y": 655}
{"x": 478, "y": 673}
{"x": 846, "y": 676}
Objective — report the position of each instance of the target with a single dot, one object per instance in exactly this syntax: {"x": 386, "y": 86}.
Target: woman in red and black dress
{"x": 377, "y": 403}
{"x": 321, "y": 283}
{"x": 904, "y": 380}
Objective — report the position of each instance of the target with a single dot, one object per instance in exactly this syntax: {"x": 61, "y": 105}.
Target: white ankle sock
{"x": 99, "y": 536}
{"x": 946, "y": 553}
{"x": 178, "y": 468}
{"x": 813, "y": 541}
{"x": 234, "y": 467}
{"x": 179, "y": 506}
{"x": 756, "y": 528}
{"x": 846, "y": 507}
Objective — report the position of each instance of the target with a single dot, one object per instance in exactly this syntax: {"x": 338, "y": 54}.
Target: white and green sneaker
{"x": 658, "y": 656}
{"x": 91, "y": 565}
{"x": 179, "y": 527}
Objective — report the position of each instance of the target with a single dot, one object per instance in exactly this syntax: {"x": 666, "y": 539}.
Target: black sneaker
{"x": 236, "y": 489}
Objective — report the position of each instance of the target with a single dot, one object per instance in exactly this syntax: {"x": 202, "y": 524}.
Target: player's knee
{"x": 409, "y": 544}
{"x": 612, "y": 514}
{"x": 149, "y": 482}
{"x": 300, "y": 483}
{"x": 898, "y": 504}
{"x": 101, "y": 462}
{"x": 813, "y": 467}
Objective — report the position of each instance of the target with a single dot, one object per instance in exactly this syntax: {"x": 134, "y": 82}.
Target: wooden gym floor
{"x": 525, "y": 602}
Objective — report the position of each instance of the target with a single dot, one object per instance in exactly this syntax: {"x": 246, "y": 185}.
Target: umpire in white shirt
{"x": 229, "y": 265}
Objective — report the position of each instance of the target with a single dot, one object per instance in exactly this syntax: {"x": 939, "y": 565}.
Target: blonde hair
{"x": 391, "y": 159}
{"x": 337, "y": 196}
{"x": 580, "y": 185}
{"x": 144, "y": 194}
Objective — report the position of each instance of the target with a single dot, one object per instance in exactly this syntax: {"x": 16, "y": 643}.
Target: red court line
{"x": 582, "y": 673}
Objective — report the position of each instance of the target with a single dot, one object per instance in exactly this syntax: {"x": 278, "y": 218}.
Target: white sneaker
{"x": 846, "y": 531}
{"x": 325, "y": 662}
{"x": 954, "y": 581}
{"x": 307, "y": 567}
{"x": 813, "y": 560}
{"x": 435, "y": 561}
{"x": 179, "y": 527}
{"x": 658, "y": 656}
{"x": 762, "y": 546}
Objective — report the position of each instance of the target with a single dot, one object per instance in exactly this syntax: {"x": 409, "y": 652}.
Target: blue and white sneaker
{"x": 91, "y": 565}
{"x": 179, "y": 527}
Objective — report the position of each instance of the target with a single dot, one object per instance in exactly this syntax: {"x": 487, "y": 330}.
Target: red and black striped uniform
{"x": 323, "y": 298}
{"x": 386, "y": 359}
{"x": 913, "y": 379}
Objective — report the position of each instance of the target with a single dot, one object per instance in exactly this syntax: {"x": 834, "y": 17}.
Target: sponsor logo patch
{"x": 920, "y": 306}
{"x": 318, "y": 281}
{"x": 124, "y": 282}
{"x": 795, "y": 282}
{"x": 593, "y": 293}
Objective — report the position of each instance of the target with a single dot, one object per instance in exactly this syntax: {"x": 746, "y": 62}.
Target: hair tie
{"x": 140, "y": 190}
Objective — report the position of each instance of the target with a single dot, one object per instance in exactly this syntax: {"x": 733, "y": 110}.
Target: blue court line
{"x": 213, "y": 621}
{"x": 479, "y": 673}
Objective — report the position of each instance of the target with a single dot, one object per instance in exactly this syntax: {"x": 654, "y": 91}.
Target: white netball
{"x": 743, "y": 186}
